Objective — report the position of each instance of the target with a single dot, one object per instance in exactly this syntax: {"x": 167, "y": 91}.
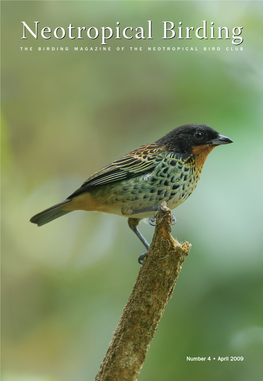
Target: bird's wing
{"x": 136, "y": 163}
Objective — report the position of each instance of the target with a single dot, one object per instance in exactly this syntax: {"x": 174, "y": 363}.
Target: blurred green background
{"x": 67, "y": 114}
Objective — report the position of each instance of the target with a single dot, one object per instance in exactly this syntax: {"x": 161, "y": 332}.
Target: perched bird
{"x": 135, "y": 185}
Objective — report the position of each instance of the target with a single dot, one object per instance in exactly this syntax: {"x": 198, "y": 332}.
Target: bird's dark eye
{"x": 199, "y": 135}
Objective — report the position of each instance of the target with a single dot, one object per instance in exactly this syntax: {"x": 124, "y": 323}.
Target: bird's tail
{"x": 50, "y": 214}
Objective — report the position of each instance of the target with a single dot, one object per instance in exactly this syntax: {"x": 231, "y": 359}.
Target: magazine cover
{"x": 83, "y": 84}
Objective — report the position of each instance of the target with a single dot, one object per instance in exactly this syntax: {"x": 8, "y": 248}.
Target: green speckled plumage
{"x": 149, "y": 181}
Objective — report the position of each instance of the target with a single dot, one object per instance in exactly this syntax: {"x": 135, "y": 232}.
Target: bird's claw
{"x": 173, "y": 220}
{"x": 142, "y": 257}
{"x": 152, "y": 220}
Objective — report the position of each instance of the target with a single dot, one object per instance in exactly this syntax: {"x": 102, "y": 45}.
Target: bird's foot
{"x": 152, "y": 220}
{"x": 142, "y": 257}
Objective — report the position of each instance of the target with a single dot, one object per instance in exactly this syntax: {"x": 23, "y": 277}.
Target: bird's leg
{"x": 133, "y": 223}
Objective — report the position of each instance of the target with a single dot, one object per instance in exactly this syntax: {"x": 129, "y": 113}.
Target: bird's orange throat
{"x": 201, "y": 152}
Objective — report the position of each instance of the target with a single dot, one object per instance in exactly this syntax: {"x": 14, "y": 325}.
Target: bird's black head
{"x": 184, "y": 139}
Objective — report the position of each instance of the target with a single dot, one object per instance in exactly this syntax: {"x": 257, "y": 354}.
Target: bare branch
{"x": 145, "y": 307}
